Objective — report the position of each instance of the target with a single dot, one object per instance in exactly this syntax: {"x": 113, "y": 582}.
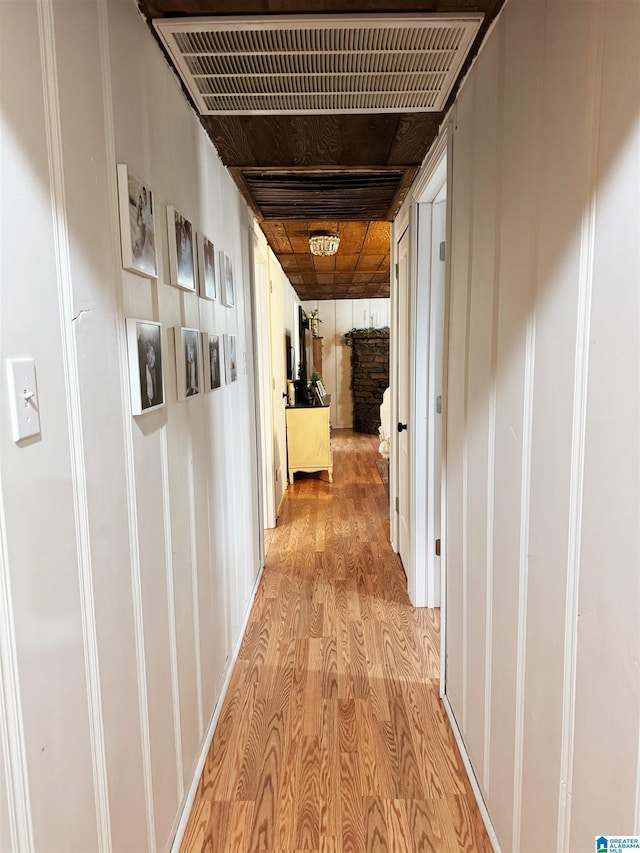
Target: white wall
{"x": 339, "y": 316}
{"x": 543, "y": 431}
{"x": 128, "y": 547}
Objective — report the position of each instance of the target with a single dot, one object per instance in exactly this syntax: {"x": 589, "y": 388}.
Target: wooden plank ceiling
{"x": 349, "y": 173}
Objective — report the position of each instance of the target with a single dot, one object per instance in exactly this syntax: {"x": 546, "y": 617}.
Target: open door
{"x": 403, "y": 425}
{"x": 435, "y": 399}
{"x": 419, "y": 302}
{"x": 262, "y": 336}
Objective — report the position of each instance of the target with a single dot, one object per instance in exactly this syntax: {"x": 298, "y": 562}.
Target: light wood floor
{"x": 332, "y": 737}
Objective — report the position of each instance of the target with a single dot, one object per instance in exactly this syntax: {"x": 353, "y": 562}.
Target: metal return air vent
{"x": 323, "y": 64}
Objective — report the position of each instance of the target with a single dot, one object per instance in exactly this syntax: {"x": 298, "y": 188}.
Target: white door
{"x": 434, "y": 412}
{"x": 263, "y": 377}
{"x": 278, "y": 384}
{"x": 404, "y": 377}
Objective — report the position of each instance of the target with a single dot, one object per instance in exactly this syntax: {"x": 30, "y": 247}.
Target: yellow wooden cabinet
{"x": 309, "y": 440}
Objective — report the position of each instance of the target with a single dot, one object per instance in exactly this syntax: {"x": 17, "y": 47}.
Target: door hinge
{"x": 437, "y": 547}
{"x": 443, "y": 250}
{"x": 397, "y": 504}
{"x": 439, "y": 405}
{"x": 397, "y": 271}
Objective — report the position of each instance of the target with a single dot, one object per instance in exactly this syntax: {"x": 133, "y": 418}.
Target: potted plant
{"x": 312, "y": 317}
{"x": 316, "y": 389}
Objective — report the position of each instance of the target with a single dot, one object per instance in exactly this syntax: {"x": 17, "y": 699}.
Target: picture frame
{"x": 212, "y": 361}
{"x": 137, "y": 224}
{"x": 182, "y": 268}
{"x": 227, "y": 288}
{"x": 320, "y": 388}
{"x": 230, "y": 358}
{"x": 188, "y": 362}
{"x": 146, "y": 375}
{"x": 207, "y": 277}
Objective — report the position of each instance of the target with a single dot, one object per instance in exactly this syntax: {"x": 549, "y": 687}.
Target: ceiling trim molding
{"x": 430, "y": 164}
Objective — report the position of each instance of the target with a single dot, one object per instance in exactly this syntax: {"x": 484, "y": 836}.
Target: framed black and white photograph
{"x": 182, "y": 268}
{"x": 212, "y": 361}
{"x": 227, "y": 293}
{"x": 146, "y": 381}
{"x": 230, "y": 359}
{"x": 206, "y": 267}
{"x": 188, "y": 362}
{"x": 137, "y": 224}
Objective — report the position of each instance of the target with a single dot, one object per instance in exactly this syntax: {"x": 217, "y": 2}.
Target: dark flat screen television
{"x": 305, "y": 347}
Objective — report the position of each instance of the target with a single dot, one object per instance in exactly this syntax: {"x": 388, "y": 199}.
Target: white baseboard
{"x": 206, "y": 744}
{"x": 493, "y": 838}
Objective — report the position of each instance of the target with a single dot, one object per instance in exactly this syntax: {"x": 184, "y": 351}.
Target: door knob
{"x": 401, "y": 427}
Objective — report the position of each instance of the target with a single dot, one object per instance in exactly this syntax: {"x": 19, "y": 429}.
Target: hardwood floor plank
{"x": 332, "y": 737}
{"x": 460, "y": 831}
{"x": 313, "y": 690}
{"x": 426, "y": 748}
{"x": 329, "y": 800}
{"x": 284, "y": 676}
{"x": 347, "y": 725}
{"x": 253, "y": 752}
{"x": 285, "y": 828}
{"x": 376, "y": 835}
{"x": 329, "y": 668}
{"x": 352, "y": 804}
{"x": 268, "y": 666}
{"x": 227, "y": 751}
{"x": 308, "y": 801}
{"x": 424, "y": 828}
{"x": 316, "y": 621}
{"x": 409, "y": 781}
{"x": 375, "y": 765}
{"x": 240, "y": 821}
{"x": 358, "y": 661}
{"x": 268, "y": 788}
{"x": 197, "y": 832}
{"x": 254, "y": 644}
{"x": 218, "y": 825}
{"x": 235, "y": 753}
{"x": 408, "y": 659}
{"x": 397, "y": 826}
{"x": 436, "y": 730}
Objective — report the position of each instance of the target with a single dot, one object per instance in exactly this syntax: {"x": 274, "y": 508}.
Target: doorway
{"x": 419, "y": 299}
{"x": 432, "y": 219}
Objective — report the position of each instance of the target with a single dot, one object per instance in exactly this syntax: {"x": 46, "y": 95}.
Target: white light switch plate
{"x": 23, "y": 398}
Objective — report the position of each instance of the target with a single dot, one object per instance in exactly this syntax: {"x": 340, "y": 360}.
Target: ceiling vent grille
{"x": 324, "y": 64}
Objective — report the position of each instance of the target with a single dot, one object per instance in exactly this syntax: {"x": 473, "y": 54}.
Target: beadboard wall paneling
{"x": 126, "y": 584}
{"x": 549, "y": 361}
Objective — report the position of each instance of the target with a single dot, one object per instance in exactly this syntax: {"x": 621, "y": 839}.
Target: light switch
{"x": 23, "y": 398}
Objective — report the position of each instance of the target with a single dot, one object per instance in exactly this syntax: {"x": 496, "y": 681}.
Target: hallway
{"x": 332, "y": 736}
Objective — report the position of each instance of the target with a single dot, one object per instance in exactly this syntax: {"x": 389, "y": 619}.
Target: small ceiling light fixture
{"x": 324, "y": 244}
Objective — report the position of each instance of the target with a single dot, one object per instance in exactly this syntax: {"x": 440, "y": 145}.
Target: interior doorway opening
{"x": 418, "y": 349}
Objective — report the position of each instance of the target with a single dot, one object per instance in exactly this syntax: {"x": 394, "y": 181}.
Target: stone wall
{"x": 369, "y": 377}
